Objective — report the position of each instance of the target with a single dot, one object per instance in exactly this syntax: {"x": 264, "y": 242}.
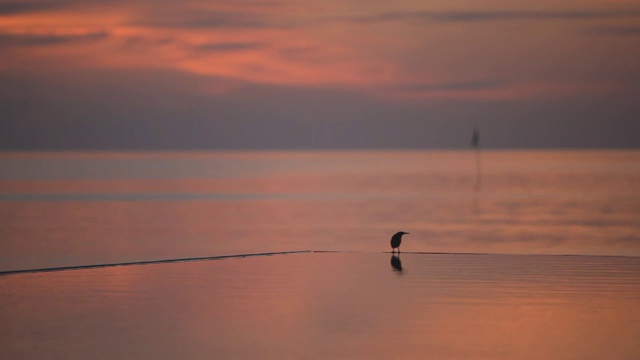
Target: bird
{"x": 396, "y": 239}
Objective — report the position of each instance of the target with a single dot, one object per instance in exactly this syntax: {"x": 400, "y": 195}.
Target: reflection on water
{"x": 330, "y": 305}
{"x": 396, "y": 264}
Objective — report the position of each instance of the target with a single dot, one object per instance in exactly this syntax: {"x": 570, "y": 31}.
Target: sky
{"x": 300, "y": 74}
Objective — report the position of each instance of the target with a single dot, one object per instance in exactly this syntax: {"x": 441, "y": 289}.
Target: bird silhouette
{"x": 396, "y": 239}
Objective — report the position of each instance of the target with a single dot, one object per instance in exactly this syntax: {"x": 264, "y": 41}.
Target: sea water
{"x": 511, "y": 255}
{"x": 66, "y": 209}
{"x": 330, "y": 306}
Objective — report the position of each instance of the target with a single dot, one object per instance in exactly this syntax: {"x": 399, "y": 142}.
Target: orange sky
{"x": 408, "y": 48}
{"x": 402, "y": 52}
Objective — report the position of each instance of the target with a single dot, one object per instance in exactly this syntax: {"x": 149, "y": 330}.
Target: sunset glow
{"x": 400, "y": 53}
{"x": 407, "y": 49}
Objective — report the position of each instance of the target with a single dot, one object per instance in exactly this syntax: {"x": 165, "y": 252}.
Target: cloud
{"x": 15, "y": 7}
{"x": 230, "y": 46}
{"x": 208, "y": 19}
{"x": 493, "y": 16}
{"x": 166, "y": 14}
{"x": 454, "y": 86}
{"x": 33, "y": 6}
{"x": 611, "y": 30}
{"x": 48, "y": 39}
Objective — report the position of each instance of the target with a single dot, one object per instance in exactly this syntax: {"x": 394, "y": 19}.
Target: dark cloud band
{"x": 499, "y": 15}
{"x": 47, "y": 39}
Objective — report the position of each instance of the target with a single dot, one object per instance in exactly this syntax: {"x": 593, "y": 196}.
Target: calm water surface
{"x": 82, "y": 208}
{"x": 330, "y": 305}
{"x": 69, "y": 209}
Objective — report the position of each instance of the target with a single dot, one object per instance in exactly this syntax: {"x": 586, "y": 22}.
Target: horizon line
{"x": 312, "y": 149}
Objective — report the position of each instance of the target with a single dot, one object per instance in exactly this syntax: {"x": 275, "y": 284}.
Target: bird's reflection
{"x": 396, "y": 264}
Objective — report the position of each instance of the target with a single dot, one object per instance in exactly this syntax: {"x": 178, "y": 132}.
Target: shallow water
{"x": 62, "y": 209}
{"x": 73, "y": 209}
{"x": 330, "y": 305}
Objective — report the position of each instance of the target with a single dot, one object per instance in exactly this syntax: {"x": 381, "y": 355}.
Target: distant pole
{"x": 475, "y": 143}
